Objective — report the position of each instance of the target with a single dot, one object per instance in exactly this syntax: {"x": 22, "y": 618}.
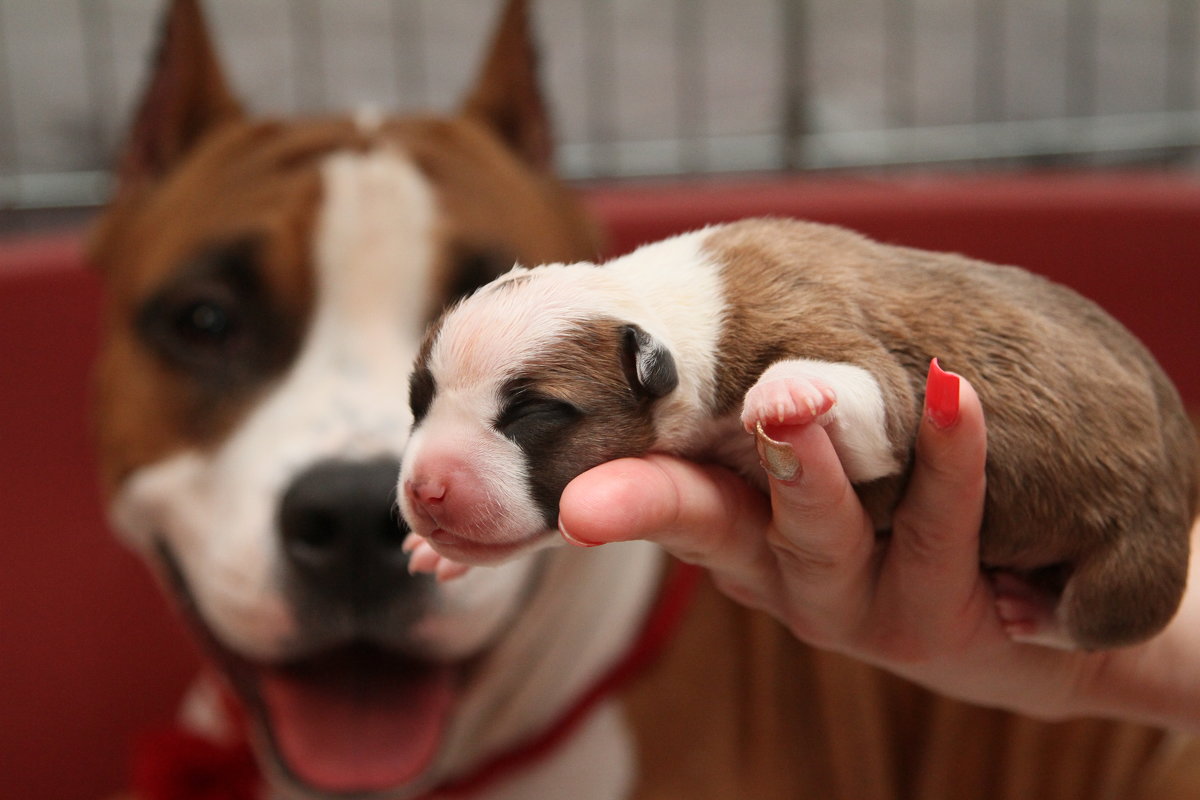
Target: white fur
{"x": 369, "y": 118}
{"x": 578, "y": 624}
{"x": 666, "y": 287}
{"x": 681, "y": 302}
{"x": 857, "y": 423}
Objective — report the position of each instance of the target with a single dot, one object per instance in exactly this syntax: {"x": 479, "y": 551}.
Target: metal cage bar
{"x": 815, "y": 120}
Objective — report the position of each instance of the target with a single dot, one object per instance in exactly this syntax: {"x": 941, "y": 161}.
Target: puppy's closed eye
{"x": 531, "y": 419}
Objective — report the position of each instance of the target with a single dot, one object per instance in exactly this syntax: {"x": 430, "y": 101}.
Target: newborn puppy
{"x": 684, "y": 344}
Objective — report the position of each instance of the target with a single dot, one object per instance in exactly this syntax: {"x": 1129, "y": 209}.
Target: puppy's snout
{"x": 340, "y": 528}
{"x": 444, "y": 493}
{"x": 426, "y": 491}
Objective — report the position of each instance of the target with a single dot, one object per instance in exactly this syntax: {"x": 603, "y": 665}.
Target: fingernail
{"x": 941, "y": 396}
{"x": 777, "y": 458}
{"x": 572, "y": 540}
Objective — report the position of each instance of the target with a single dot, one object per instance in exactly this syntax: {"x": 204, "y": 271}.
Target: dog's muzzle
{"x": 364, "y": 710}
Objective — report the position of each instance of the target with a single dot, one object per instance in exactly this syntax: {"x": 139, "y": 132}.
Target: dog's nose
{"x": 341, "y": 531}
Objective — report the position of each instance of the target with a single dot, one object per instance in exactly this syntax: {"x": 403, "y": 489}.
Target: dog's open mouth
{"x": 352, "y": 720}
{"x": 357, "y": 719}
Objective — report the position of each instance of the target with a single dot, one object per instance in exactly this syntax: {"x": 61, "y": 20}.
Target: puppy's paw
{"x": 786, "y": 400}
{"x": 1029, "y": 614}
{"x": 423, "y": 559}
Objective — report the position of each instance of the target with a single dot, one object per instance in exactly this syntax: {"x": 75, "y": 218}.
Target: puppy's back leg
{"x": 1119, "y": 594}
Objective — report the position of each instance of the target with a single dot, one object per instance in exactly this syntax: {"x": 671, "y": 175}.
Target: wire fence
{"x": 649, "y": 87}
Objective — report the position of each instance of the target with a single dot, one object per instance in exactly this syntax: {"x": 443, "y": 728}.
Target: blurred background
{"x": 646, "y": 87}
{"x": 1062, "y": 135}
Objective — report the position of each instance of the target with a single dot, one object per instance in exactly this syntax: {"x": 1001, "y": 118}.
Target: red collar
{"x": 175, "y": 764}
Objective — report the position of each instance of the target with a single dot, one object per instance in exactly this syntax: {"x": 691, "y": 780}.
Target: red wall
{"x": 90, "y": 653}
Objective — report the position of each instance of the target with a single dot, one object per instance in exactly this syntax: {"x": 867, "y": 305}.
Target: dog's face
{"x": 518, "y": 389}
{"x": 267, "y": 285}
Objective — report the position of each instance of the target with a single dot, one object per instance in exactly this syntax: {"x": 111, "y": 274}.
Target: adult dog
{"x": 267, "y": 285}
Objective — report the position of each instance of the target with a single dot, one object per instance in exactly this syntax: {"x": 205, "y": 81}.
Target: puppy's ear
{"x": 648, "y": 364}
{"x": 507, "y": 96}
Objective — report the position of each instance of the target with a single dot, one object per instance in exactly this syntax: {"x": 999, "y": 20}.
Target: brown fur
{"x": 1090, "y": 461}
{"x": 615, "y": 421}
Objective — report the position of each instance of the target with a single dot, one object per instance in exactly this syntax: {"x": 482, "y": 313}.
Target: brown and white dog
{"x": 267, "y": 284}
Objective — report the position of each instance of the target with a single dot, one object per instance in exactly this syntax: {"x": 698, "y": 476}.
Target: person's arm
{"x": 917, "y": 605}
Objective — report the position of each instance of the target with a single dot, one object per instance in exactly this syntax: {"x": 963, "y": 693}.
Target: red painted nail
{"x": 941, "y": 396}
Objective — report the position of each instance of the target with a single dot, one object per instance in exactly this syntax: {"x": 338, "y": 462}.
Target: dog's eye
{"x": 217, "y": 322}
{"x": 201, "y": 328}
{"x": 526, "y": 419}
{"x": 206, "y": 323}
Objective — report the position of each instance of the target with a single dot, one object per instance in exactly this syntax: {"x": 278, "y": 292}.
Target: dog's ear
{"x": 648, "y": 364}
{"x": 185, "y": 98}
{"x": 507, "y": 96}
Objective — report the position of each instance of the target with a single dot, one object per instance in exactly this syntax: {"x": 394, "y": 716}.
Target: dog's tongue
{"x": 353, "y": 724}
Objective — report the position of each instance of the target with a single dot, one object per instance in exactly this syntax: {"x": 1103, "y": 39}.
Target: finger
{"x": 816, "y": 511}
{"x": 931, "y": 572}
{"x": 821, "y": 536}
{"x": 701, "y": 514}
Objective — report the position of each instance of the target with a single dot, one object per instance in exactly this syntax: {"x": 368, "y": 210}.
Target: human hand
{"x": 916, "y": 604}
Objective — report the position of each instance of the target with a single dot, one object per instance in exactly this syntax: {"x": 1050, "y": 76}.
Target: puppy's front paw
{"x": 423, "y": 559}
{"x": 786, "y": 400}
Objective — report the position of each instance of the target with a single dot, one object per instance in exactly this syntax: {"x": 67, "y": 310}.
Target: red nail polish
{"x": 941, "y": 396}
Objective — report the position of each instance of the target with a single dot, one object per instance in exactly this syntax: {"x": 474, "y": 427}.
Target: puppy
{"x": 681, "y": 345}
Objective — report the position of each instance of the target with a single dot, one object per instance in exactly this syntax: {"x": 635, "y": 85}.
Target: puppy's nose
{"x": 341, "y": 531}
{"x": 426, "y": 491}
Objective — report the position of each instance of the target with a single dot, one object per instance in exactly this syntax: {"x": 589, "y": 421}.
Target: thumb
{"x": 700, "y": 513}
